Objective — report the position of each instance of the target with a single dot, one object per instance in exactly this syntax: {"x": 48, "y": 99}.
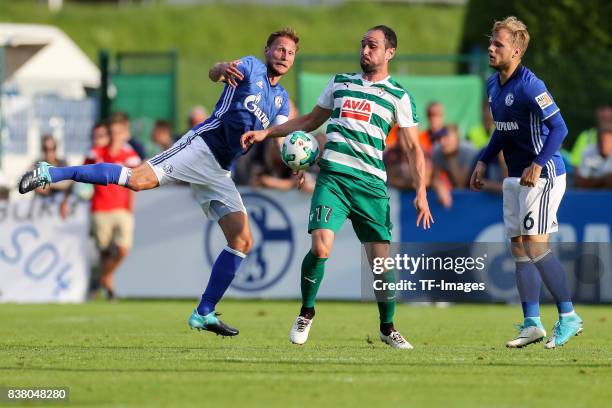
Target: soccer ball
{"x": 300, "y": 150}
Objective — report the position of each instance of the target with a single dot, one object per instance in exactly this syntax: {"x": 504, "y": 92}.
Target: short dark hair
{"x": 99, "y": 124}
{"x": 390, "y": 37}
{"x": 286, "y": 32}
{"x": 118, "y": 117}
{"x": 163, "y": 124}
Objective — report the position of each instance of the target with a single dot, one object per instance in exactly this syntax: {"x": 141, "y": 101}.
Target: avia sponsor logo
{"x": 506, "y": 125}
{"x": 359, "y": 109}
{"x": 250, "y": 103}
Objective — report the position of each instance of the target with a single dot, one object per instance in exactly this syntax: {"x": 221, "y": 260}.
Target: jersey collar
{"x": 517, "y": 70}
{"x": 365, "y": 81}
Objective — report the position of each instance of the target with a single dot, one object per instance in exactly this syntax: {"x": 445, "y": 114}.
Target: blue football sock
{"x": 99, "y": 173}
{"x": 223, "y": 272}
{"x": 554, "y": 277}
{"x": 529, "y": 284}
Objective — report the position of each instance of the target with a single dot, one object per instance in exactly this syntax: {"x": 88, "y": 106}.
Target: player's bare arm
{"x": 226, "y": 72}
{"x": 409, "y": 141}
{"x": 307, "y": 123}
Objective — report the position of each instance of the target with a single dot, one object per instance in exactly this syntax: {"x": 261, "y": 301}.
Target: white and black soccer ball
{"x": 299, "y": 150}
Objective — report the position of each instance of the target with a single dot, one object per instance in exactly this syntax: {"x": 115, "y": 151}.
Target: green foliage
{"x": 205, "y": 34}
{"x": 570, "y": 49}
{"x": 141, "y": 354}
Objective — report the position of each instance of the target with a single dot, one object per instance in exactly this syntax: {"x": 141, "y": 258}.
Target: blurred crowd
{"x": 450, "y": 154}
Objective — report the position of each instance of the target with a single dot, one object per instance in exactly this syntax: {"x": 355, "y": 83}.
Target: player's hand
{"x": 531, "y": 175}
{"x": 251, "y": 137}
{"x": 476, "y": 181}
{"x": 300, "y": 178}
{"x": 422, "y": 208}
{"x": 231, "y": 73}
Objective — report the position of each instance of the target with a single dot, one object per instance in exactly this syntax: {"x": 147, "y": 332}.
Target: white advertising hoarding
{"x": 42, "y": 257}
{"x": 175, "y": 246}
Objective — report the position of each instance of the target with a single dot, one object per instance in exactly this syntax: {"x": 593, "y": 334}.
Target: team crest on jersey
{"x": 278, "y": 102}
{"x": 359, "y": 109}
{"x": 167, "y": 168}
{"x": 509, "y": 99}
{"x": 259, "y": 84}
{"x": 544, "y": 100}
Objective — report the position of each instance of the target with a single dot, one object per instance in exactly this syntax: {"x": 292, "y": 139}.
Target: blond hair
{"x": 518, "y": 32}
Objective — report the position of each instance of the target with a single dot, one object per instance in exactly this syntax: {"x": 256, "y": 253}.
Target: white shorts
{"x": 532, "y": 210}
{"x": 190, "y": 160}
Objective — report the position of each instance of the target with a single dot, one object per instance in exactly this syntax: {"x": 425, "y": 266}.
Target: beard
{"x": 273, "y": 70}
{"x": 366, "y": 67}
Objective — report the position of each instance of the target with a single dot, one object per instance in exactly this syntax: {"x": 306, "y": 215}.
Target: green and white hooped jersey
{"x": 363, "y": 113}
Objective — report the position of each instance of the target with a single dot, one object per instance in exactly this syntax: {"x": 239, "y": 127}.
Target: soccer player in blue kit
{"x": 529, "y": 129}
{"x": 252, "y": 99}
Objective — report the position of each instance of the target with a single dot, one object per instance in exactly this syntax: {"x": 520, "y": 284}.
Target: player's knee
{"x": 122, "y": 252}
{"x": 320, "y": 249}
{"x": 242, "y": 243}
{"x": 534, "y": 248}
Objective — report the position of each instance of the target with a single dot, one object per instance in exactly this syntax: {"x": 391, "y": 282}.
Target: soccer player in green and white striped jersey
{"x": 361, "y": 108}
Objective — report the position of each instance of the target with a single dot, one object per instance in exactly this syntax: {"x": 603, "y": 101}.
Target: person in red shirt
{"x": 111, "y": 206}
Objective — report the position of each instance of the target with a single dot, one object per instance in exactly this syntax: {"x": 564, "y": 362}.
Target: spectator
{"x": 119, "y": 122}
{"x": 111, "y": 206}
{"x": 398, "y": 170}
{"x": 603, "y": 118}
{"x": 263, "y": 167}
{"x": 595, "y": 170}
{"x": 435, "y": 117}
{"x": 454, "y": 156}
{"x": 197, "y": 114}
{"x": 100, "y": 135}
{"x": 49, "y": 155}
{"x": 4, "y": 187}
{"x": 269, "y": 171}
{"x": 162, "y": 134}
{"x": 480, "y": 134}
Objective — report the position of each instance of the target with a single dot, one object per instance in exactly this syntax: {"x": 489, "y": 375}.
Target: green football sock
{"x": 386, "y": 298}
{"x": 313, "y": 269}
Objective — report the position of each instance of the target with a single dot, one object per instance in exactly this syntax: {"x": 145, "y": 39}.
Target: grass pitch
{"x": 142, "y": 354}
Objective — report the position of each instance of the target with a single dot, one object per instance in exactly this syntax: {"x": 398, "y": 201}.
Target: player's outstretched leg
{"x": 139, "y": 178}
{"x": 235, "y": 226}
{"x": 529, "y": 285}
{"x": 100, "y": 173}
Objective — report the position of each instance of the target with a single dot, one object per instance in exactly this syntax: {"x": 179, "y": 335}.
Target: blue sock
{"x": 223, "y": 272}
{"x": 554, "y": 277}
{"x": 100, "y": 173}
{"x": 529, "y": 284}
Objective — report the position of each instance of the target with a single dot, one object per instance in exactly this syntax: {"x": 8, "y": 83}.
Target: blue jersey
{"x": 253, "y": 105}
{"x": 519, "y": 109}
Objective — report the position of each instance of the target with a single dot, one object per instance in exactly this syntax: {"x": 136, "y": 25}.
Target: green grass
{"x": 142, "y": 354}
{"x": 205, "y": 34}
